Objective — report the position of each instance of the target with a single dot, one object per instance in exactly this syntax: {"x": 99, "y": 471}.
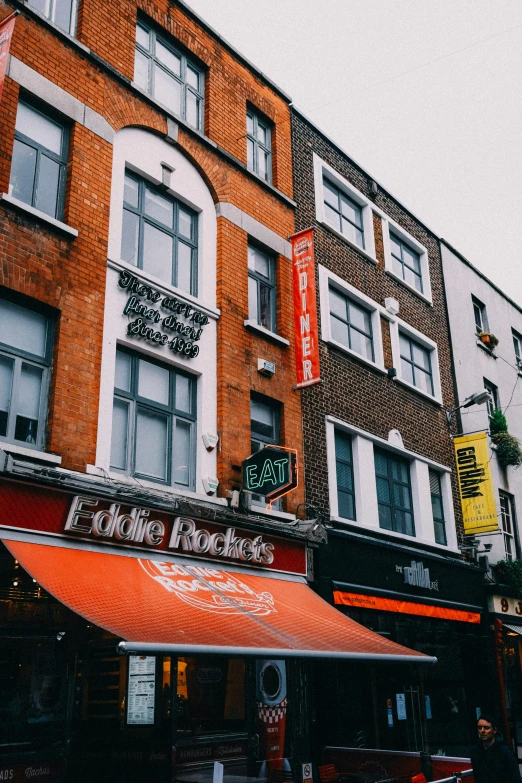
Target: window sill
{"x": 121, "y": 478}
{"x": 260, "y": 508}
{"x": 355, "y": 355}
{"x": 23, "y": 451}
{"x": 253, "y": 326}
{"x": 489, "y": 351}
{"x": 14, "y": 202}
{"x": 348, "y": 241}
{"x": 435, "y": 400}
{"x": 413, "y": 540}
{"x": 411, "y": 288}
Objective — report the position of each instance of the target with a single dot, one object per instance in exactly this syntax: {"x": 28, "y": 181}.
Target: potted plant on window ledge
{"x": 507, "y": 447}
{"x": 488, "y": 339}
{"x": 509, "y": 573}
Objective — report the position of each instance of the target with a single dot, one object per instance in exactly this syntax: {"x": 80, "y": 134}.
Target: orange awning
{"x": 179, "y": 606}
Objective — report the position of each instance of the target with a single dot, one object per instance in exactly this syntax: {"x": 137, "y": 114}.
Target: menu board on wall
{"x": 141, "y": 689}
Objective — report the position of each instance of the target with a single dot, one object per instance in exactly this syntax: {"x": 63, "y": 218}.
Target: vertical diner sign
{"x": 305, "y": 309}
{"x": 6, "y": 33}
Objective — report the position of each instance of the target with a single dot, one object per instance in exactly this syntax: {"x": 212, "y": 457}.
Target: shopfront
{"x": 147, "y": 640}
{"x": 430, "y": 604}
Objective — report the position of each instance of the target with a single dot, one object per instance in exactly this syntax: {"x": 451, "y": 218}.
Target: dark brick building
{"x": 379, "y": 456}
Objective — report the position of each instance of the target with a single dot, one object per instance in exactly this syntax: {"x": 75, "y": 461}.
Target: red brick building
{"x": 145, "y": 352}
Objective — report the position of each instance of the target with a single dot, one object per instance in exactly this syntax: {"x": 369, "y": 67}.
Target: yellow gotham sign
{"x": 477, "y": 495}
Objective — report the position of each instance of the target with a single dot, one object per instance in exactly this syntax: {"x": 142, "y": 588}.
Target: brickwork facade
{"x": 350, "y": 390}
{"x": 69, "y": 274}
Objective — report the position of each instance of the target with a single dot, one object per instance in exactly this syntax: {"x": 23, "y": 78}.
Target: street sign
{"x": 271, "y": 472}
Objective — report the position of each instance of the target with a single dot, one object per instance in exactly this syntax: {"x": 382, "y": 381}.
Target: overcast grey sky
{"x": 425, "y": 94}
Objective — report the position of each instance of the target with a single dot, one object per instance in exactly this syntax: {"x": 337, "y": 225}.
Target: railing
{"x": 466, "y": 773}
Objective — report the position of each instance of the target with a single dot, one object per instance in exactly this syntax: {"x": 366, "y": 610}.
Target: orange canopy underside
{"x": 178, "y": 605}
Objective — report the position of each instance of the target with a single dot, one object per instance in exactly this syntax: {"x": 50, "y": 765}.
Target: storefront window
{"x": 210, "y": 695}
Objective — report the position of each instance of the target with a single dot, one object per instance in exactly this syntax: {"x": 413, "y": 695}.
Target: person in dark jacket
{"x": 492, "y": 760}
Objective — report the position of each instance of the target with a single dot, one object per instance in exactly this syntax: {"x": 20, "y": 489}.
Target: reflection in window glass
{"x": 210, "y": 695}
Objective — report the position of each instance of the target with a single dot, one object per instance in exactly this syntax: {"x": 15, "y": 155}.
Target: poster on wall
{"x": 306, "y": 334}
{"x": 477, "y": 494}
{"x": 141, "y": 690}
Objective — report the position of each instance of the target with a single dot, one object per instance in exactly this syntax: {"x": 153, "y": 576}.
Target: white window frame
{"x": 397, "y": 325}
{"x": 328, "y": 279}
{"x": 50, "y": 14}
{"x": 365, "y": 487}
{"x": 321, "y": 170}
{"x": 390, "y": 225}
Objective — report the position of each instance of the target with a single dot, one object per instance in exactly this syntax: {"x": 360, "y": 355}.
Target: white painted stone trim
{"x": 23, "y": 451}
{"x": 254, "y": 228}
{"x": 59, "y": 98}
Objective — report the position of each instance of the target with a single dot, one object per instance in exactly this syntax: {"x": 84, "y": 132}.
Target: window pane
{"x": 184, "y": 281}
{"x": 407, "y": 371}
{"x": 183, "y": 394}
{"x": 345, "y": 504}
{"x": 337, "y": 304}
{"x": 120, "y": 428}
{"x": 405, "y": 347}
{"x": 167, "y": 90}
{"x": 260, "y": 262}
{"x": 23, "y": 167}
{"x": 181, "y": 453}
{"x": 395, "y": 247}
{"x": 192, "y": 109}
{"x": 331, "y": 194}
{"x": 122, "y": 376}
{"x": 397, "y": 267}
{"x": 131, "y": 191}
{"x": 168, "y": 58}
{"x": 23, "y": 329}
{"x": 359, "y": 238}
{"x": 383, "y": 490}
{"x": 385, "y": 518}
{"x": 39, "y": 128}
{"x": 381, "y": 463}
{"x": 348, "y": 230}
{"x": 421, "y": 356}
{"x": 129, "y": 237}
{"x": 411, "y": 278}
{"x": 141, "y": 70}
{"x": 6, "y": 382}
{"x": 151, "y": 444}
{"x": 250, "y": 123}
{"x": 340, "y": 331}
{"x": 40, "y": 5}
{"x": 153, "y": 382}
{"x": 412, "y": 259}
{"x": 250, "y": 154}
{"x": 29, "y": 391}
{"x": 252, "y": 299}
{"x": 262, "y": 163}
{"x": 159, "y": 208}
{"x": 28, "y": 404}
{"x": 62, "y": 15}
{"x": 350, "y": 211}
{"x": 265, "y": 306}
{"x": 193, "y": 77}
{"x": 185, "y": 221}
{"x": 47, "y": 188}
{"x": 359, "y": 318}
{"x": 423, "y": 381}
{"x": 361, "y": 344}
{"x": 157, "y": 253}
{"x": 262, "y": 419}
{"x": 142, "y": 36}
{"x": 261, "y": 134}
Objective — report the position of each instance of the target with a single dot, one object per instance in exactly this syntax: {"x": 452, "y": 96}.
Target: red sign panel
{"x": 404, "y": 607}
{"x": 6, "y": 33}
{"x": 305, "y": 309}
{"x": 88, "y": 518}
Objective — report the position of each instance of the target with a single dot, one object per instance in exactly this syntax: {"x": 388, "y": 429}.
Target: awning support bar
{"x": 158, "y": 648}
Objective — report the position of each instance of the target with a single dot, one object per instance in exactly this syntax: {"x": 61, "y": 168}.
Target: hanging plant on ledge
{"x": 509, "y": 572}
{"x": 508, "y": 448}
{"x": 488, "y": 339}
